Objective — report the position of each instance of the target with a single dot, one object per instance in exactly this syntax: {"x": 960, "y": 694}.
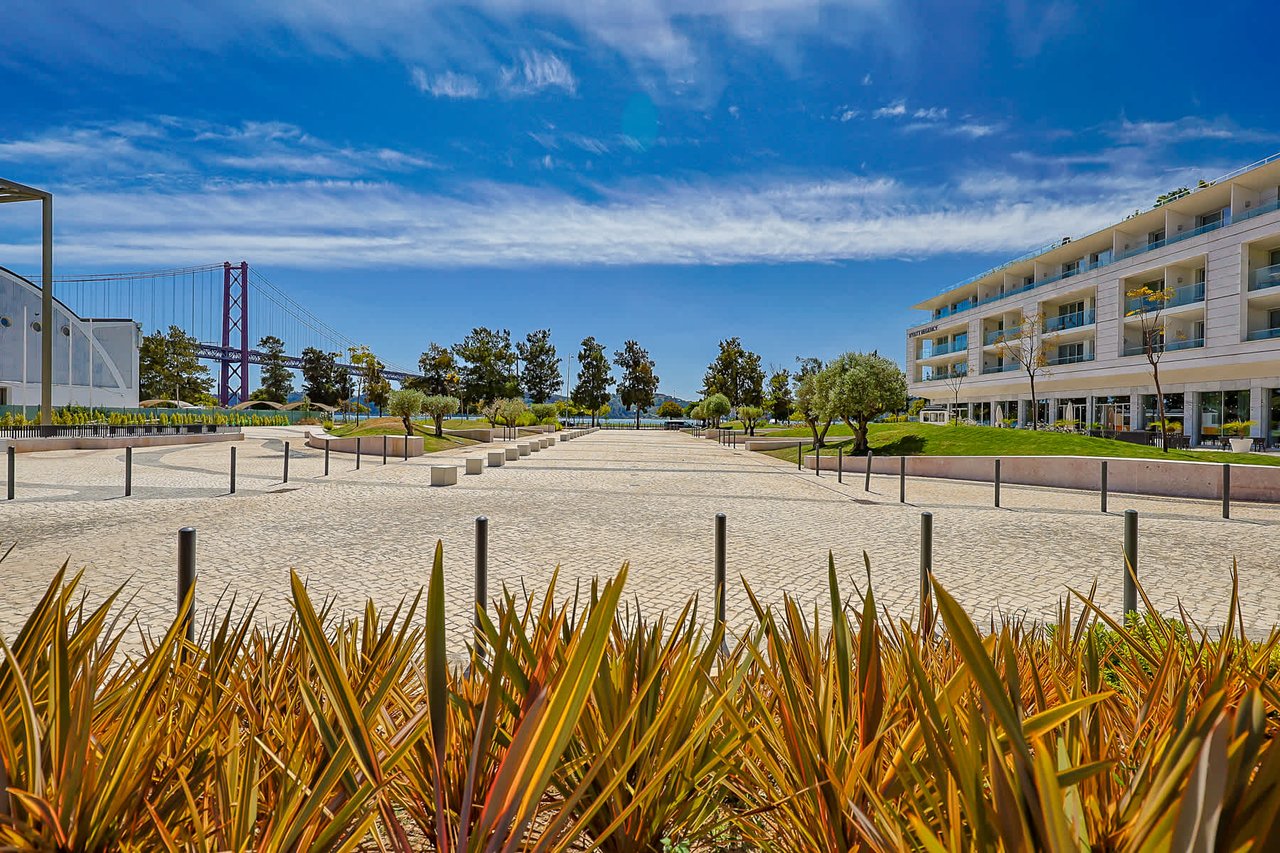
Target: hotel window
{"x": 1028, "y": 280}
{"x": 1197, "y": 330}
{"x": 1070, "y": 268}
{"x": 1273, "y": 318}
{"x": 1071, "y": 308}
{"x": 1154, "y": 237}
{"x": 1099, "y": 257}
{"x": 1199, "y": 276}
{"x": 1071, "y": 353}
{"x": 1217, "y": 217}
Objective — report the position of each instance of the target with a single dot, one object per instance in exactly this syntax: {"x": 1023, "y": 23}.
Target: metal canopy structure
{"x": 11, "y": 191}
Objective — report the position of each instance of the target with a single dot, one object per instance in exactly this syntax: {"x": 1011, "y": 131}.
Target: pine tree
{"x": 540, "y": 375}
{"x": 592, "y": 390}
{"x": 277, "y": 378}
{"x": 639, "y": 383}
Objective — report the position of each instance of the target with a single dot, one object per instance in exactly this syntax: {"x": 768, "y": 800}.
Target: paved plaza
{"x": 647, "y": 498}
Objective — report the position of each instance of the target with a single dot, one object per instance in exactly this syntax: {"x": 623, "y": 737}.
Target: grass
{"x": 395, "y": 426}
{"x": 575, "y": 722}
{"x": 917, "y": 439}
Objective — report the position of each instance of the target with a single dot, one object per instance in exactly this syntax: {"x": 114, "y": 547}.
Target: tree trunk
{"x": 408, "y": 426}
{"x": 1164, "y": 436}
{"x": 439, "y": 419}
{"x": 1035, "y": 404}
{"x": 813, "y": 428}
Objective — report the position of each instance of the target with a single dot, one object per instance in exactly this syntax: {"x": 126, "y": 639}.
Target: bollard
{"x": 233, "y": 471}
{"x": 359, "y": 441}
{"x": 482, "y": 563}
{"x": 1103, "y": 485}
{"x": 405, "y": 446}
{"x": 128, "y": 471}
{"x": 817, "y": 460}
{"x": 926, "y": 548}
{"x": 902, "y": 479}
{"x": 326, "y": 457}
{"x": 799, "y": 455}
{"x": 867, "y": 486}
{"x": 285, "y": 479}
{"x": 721, "y": 541}
{"x": 1130, "y": 561}
{"x": 187, "y": 578}
{"x": 384, "y": 450}
{"x": 839, "y": 466}
{"x": 997, "y": 483}
{"x": 1226, "y": 490}
{"x": 11, "y": 454}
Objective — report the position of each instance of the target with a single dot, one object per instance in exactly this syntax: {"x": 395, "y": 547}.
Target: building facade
{"x": 1213, "y": 257}
{"x": 95, "y": 361}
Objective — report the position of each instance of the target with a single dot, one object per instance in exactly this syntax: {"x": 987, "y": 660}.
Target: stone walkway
{"x": 644, "y": 497}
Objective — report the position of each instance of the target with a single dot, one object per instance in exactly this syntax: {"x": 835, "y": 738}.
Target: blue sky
{"x": 793, "y": 172}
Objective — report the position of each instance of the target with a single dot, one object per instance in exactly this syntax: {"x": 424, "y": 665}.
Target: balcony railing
{"x": 995, "y": 335}
{"x": 1185, "y": 295}
{"x": 958, "y": 345}
{"x": 945, "y": 374}
{"x": 1261, "y": 279}
{"x": 1177, "y": 238}
{"x": 1000, "y": 368}
{"x": 1069, "y": 321}
{"x": 948, "y": 310}
{"x": 1072, "y": 359}
{"x": 1264, "y": 334}
{"x": 1168, "y": 346}
{"x": 1258, "y": 211}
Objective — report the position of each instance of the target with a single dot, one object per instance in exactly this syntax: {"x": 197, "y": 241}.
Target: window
{"x": 1099, "y": 258}
{"x": 1273, "y": 318}
{"x": 1217, "y": 217}
{"x": 1071, "y": 353}
{"x": 1071, "y": 308}
{"x": 1197, "y": 330}
{"x": 1199, "y": 276}
{"x": 1275, "y": 257}
{"x": 1070, "y": 268}
{"x": 1028, "y": 280}
{"x": 1154, "y": 237}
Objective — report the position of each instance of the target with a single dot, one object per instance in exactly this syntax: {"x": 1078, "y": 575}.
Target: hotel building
{"x": 1214, "y": 252}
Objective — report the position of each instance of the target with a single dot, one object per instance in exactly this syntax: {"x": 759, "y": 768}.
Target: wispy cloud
{"x": 1184, "y": 129}
{"x": 535, "y": 71}
{"x": 897, "y": 108}
{"x": 446, "y": 84}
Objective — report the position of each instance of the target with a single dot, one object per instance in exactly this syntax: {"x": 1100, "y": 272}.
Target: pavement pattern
{"x": 647, "y": 498}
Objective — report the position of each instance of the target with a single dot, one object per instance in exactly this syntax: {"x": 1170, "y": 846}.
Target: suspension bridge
{"x": 226, "y": 307}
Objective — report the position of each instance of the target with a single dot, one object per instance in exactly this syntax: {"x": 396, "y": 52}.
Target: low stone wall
{"x": 115, "y": 442}
{"x": 369, "y": 445}
{"x": 771, "y": 443}
{"x": 1166, "y": 478}
{"x": 482, "y": 434}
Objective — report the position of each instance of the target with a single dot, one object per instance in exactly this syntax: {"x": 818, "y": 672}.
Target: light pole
{"x": 11, "y": 191}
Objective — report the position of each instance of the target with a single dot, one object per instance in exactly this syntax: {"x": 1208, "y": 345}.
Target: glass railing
{"x": 1000, "y": 368}
{"x": 1261, "y": 279}
{"x": 1178, "y": 296}
{"x": 1264, "y": 334}
{"x": 996, "y": 334}
{"x": 1168, "y": 346}
{"x": 1258, "y": 211}
{"x": 958, "y": 345}
{"x": 1177, "y": 238}
{"x": 945, "y": 374}
{"x": 1069, "y": 321}
{"x": 1072, "y": 359}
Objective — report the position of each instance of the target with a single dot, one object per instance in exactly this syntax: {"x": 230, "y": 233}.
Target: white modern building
{"x": 95, "y": 361}
{"x": 1214, "y": 252}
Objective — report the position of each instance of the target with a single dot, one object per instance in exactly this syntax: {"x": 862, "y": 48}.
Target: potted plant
{"x": 1238, "y": 435}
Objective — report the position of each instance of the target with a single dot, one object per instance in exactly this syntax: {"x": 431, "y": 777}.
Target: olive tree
{"x": 511, "y": 409}
{"x": 860, "y": 388}
{"x": 811, "y": 399}
{"x": 750, "y": 416}
{"x": 715, "y": 407}
{"x": 404, "y": 404}
{"x": 439, "y": 407}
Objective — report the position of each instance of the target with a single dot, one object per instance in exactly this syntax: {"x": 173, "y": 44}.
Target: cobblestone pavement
{"x": 587, "y": 506}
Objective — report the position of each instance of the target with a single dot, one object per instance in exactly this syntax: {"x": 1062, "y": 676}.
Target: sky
{"x": 794, "y": 172}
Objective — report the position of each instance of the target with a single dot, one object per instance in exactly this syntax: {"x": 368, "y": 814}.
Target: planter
{"x": 1241, "y": 445}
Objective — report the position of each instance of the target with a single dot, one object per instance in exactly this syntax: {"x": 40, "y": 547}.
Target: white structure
{"x": 109, "y": 378}
{"x": 1214, "y": 250}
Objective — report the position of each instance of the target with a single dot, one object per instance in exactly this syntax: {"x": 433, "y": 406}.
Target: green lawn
{"x": 917, "y": 439}
{"x": 395, "y": 426}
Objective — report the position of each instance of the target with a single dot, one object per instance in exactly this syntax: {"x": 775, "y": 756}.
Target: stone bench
{"x": 524, "y": 448}
{"x": 551, "y": 440}
{"x": 496, "y": 458}
{"x": 475, "y": 465}
{"x": 444, "y": 475}
{"x": 512, "y": 453}
{"x": 544, "y": 443}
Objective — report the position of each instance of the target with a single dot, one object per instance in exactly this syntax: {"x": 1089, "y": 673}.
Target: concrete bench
{"x": 512, "y": 453}
{"x": 444, "y": 475}
{"x": 496, "y": 458}
{"x": 524, "y": 448}
{"x": 544, "y": 443}
{"x": 475, "y": 465}
{"x": 551, "y": 440}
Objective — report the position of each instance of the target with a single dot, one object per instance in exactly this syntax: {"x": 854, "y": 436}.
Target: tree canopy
{"x": 592, "y": 390}
{"x": 860, "y": 388}
{"x": 781, "y": 402}
{"x": 276, "y": 377}
{"x": 715, "y": 407}
{"x": 735, "y": 373}
{"x": 404, "y": 404}
{"x": 439, "y": 407}
{"x": 439, "y": 371}
{"x": 169, "y": 365}
{"x": 639, "y": 383}
{"x": 540, "y": 370}
{"x": 488, "y": 365}
{"x": 670, "y": 409}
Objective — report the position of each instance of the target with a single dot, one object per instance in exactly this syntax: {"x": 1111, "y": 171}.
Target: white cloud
{"x": 897, "y": 108}
{"x": 866, "y": 79}
{"x": 447, "y": 84}
{"x": 930, "y": 113}
{"x": 782, "y": 220}
{"x": 1184, "y": 129}
{"x": 535, "y": 71}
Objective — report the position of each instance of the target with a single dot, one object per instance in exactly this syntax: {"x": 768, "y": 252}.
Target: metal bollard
{"x": 326, "y": 457}
{"x": 1103, "y": 485}
{"x": 11, "y": 454}
{"x": 128, "y": 471}
{"x": 384, "y": 450}
{"x": 187, "y": 577}
{"x": 839, "y": 465}
{"x": 799, "y": 455}
{"x": 1130, "y": 561}
{"x": 721, "y": 543}
{"x": 482, "y": 562}
{"x": 405, "y": 447}
{"x": 817, "y": 461}
{"x": 996, "y": 481}
{"x": 926, "y": 547}
{"x": 866, "y": 487}
{"x": 1226, "y": 490}
{"x": 902, "y": 479}
{"x": 233, "y": 471}
{"x": 285, "y": 479}
{"x": 359, "y": 441}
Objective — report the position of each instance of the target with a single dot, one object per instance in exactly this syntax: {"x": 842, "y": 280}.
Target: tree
{"x": 953, "y": 381}
{"x": 276, "y": 377}
{"x": 511, "y": 409}
{"x": 488, "y": 365}
{"x": 736, "y": 374}
{"x": 439, "y": 407}
{"x": 811, "y": 398}
{"x": 492, "y": 410}
{"x": 862, "y": 387}
{"x": 1027, "y": 347}
{"x": 698, "y": 413}
{"x": 439, "y": 371}
{"x": 639, "y": 383}
{"x": 781, "y": 401}
{"x": 321, "y": 377}
{"x": 540, "y": 375}
{"x": 1151, "y": 299}
{"x": 404, "y": 404}
{"x": 169, "y": 366}
{"x": 670, "y": 409}
{"x": 750, "y": 416}
{"x": 371, "y": 383}
{"x": 592, "y": 390}
{"x": 716, "y": 407}
{"x": 545, "y": 412}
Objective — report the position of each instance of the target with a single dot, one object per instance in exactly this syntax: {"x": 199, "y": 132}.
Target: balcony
{"x": 1069, "y": 321}
{"x": 937, "y": 375}
{"x": 954, "y": 309}
{"x": 1178, "y": 297}
{"x": 1263, "y": 334}
{"x": 1171, "y": 346}
{"x": 995, "y": 335}
{"x": 1261, "y": 279}
{"x": 1177, "y": 238}
{"x": 957, "y": 345}
{"x": 1000, "y": 368}
{"x": 1258, "y": 211}
{"x": 1071, "y": 359}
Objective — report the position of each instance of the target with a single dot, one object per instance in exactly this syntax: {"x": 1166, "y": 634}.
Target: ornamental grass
{"x": 577, "y": 722}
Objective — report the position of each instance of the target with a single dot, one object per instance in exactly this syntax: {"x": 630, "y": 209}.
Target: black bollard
{"x": 799, "y": 455}
{"x": 358, "y": 443}
{"x": 12, "y": 453}
{"x": 326, "y": 457}
{"x": 996, "y": 481}
{"x": 384, "y": 450}
{"x": 902, "y": 479}
{"x": 817, "y": 461}
{"x": 839, "y": 465}
{"x": 187, "y": 577}
{"x": 233, "y": 471}
{"x": 866, "y": 487}
{"x": 128, "y": 471}
{"x": 1130, "y": 561}
{"x": 482, "y": 562}
{"x": 1226, "y": 490}
{"x": 285, "y": 479}
{"x": 1103, "y": 486}
{"x": 721, "y": 558}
